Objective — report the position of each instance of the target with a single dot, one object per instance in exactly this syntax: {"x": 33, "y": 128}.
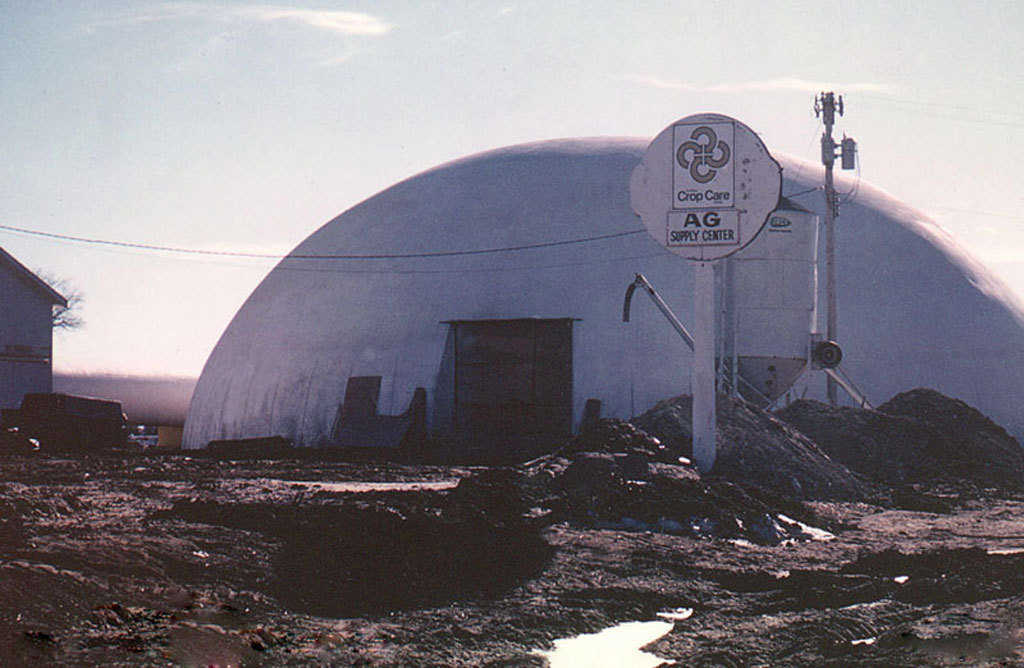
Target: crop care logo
{"x": 702, "y": 166}
{"x": 703, "y": 158}
{"x": 705, "y": 187}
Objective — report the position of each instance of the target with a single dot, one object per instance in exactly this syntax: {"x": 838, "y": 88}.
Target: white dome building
{"x": 528, "y": 334}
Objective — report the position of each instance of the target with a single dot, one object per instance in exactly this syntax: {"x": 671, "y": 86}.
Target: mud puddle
{"x": 615, "y": 647}
{"x": 357, "y": 487}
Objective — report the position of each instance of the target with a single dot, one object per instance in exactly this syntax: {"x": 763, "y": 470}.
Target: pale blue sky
{"x": 246, "y": 126}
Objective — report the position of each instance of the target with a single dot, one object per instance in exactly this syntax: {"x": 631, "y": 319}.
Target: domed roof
{"x": 915, "y": 310}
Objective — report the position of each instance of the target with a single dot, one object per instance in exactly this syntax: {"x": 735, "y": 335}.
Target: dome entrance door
{"x": 512, "y": 380}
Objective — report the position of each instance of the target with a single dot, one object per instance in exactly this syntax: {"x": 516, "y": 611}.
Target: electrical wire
{"x": 1010, "y": 119}
{"x": 803, "y": 164}
{"x": 269, "y": 256}
{"x": 921, "y": 108}
{"x": 310, "y": 267}
{"x": 980, "y": 213}
{"x": 803, "y": 192}
{"x": 845, "y": 198}
{"x": 476, "y": 270}
{"x": 851, "y": 194}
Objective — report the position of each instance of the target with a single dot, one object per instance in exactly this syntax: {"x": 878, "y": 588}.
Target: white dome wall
{"x": 915, "y": 310}
{"x": 281, "y": 365}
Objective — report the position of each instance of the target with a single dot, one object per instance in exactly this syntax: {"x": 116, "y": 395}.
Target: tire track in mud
{"x": 839, "y": 633}
{"x": 793, "y": 638}
{"x": 865, "y": 611}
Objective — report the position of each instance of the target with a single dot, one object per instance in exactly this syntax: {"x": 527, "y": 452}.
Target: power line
{"x": 269, "y": 256}
{"x": 476, "y": 270}
{"x": 921, "y": 108}
{"x": 851, "y": 195}
{"x": 803, "y": 192}
{"x": 312, "y": 268}
{"x": 341, "y": 269}
{"x": 803, "y": 165}
{"x": 937, "y": 105}
{"x": 980, "y": 213}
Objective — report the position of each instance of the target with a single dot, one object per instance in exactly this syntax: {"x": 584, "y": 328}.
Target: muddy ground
{"x": 175, "y": 560}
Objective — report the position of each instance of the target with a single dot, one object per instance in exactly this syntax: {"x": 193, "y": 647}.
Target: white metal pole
{"x": 703, "y": 375}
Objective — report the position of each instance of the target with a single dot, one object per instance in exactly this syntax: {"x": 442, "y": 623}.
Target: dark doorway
{"x": 512, "y": 380}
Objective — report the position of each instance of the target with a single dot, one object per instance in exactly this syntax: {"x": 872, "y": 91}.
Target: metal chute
{"x": 642, "y": 282}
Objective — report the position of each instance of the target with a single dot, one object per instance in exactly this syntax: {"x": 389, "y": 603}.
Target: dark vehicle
{"x": 67, "y": 422}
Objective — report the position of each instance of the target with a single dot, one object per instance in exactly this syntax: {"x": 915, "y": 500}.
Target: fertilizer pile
{"x": 638, "y": 475}
{"x": 920, "y": 437}
{"x": 755, "y": 449}
{"x": 615, "y": 475}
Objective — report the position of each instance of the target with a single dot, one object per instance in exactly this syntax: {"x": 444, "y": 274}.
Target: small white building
{"x": 26, "y": 332}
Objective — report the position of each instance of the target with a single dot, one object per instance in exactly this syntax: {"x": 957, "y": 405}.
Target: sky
{"x": 246, "y": 126}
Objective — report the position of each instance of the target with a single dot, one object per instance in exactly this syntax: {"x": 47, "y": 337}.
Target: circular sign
{"x": 705, "y": 186}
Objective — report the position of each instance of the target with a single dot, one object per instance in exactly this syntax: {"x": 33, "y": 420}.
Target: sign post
{"x": 703, "y": 374}
{"x": 704, "y": 190}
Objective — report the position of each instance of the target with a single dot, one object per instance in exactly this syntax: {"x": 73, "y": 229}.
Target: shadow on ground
{"x": 351, "y": 560}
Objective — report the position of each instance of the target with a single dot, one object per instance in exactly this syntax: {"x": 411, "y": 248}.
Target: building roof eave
{"x": 28, "y": 275}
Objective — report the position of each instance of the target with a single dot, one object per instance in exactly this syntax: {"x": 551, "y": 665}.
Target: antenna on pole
{"x": 825, "y": 107}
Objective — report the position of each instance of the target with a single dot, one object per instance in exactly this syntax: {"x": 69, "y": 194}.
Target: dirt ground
{"x": 174, "y": 560}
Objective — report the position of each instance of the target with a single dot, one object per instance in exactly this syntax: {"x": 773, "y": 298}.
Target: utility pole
{"x": 826, "y": 105}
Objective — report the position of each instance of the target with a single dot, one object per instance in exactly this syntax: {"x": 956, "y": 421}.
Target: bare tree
{"x": 64, "y": 317}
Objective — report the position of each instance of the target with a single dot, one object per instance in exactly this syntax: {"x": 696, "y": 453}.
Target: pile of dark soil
{"x": 268, "y": 447}
{"x": 917, "y": 437}
{"x": 614, "y": 475}
{"x": 613, "y": 435}
{"x": 412, "y": 550}
{"x": 13, "y": 443}
{"x": 757, "y": 450}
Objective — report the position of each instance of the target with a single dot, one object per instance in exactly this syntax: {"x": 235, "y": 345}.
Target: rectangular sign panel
{"x": 703, "y": 227}
{"x": 702, "y": 165}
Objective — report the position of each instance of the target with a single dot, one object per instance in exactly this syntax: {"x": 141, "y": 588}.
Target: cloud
{"x": 336, "y": 21}
{"x": 336, "y": 60}
{"x": 766, "y": 85}
{"x": 345, "y": 23}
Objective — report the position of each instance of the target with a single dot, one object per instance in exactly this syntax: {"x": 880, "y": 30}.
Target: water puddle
{"x": 872, "y": 604}
{"x": 676, "y": 614}
{"x": 742, "y": 542}
{"x": 814, "y": 533}
{"x": 615, "y": 647}
{"x": 1006, "y": 550}
{"x": 357, "y": 487}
